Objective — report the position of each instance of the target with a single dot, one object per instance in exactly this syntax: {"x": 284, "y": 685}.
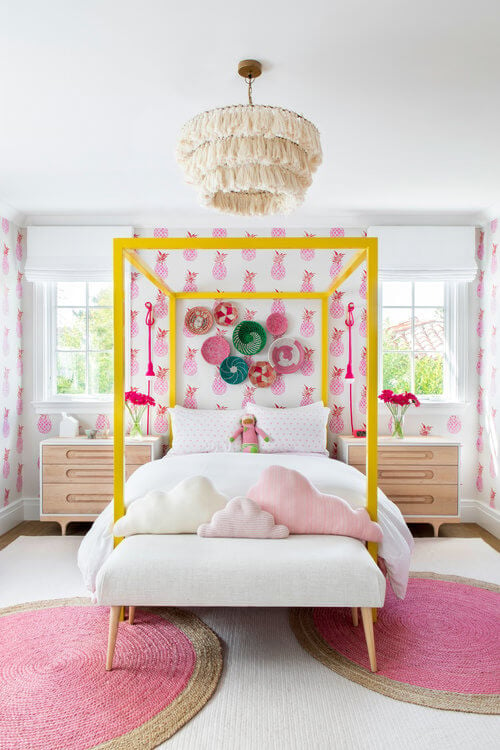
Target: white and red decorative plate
{"x": 226, "y": 314}
{"x": 199, "y": 320}
{"x": 286, "y": 355}
{"x": 262, "y": 374}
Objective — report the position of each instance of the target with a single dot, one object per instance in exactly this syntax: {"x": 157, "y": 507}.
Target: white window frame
{"x": 44, "y": 332}
{"x": 456, "y": 304}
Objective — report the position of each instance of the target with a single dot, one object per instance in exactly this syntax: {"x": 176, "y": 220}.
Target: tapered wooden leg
{"x": 131, "y": 615}
{"x": 374, "y": 614}
{"x": 114, "y": 618}
{"x": 366, "y": 615}
{"x": 355, "y": 620}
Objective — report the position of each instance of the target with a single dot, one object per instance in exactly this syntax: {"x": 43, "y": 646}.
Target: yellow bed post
{"x": 119, "y": 380}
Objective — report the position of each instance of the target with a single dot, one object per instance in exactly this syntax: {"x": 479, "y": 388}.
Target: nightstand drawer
{"x": 78, "y": 473}
{"x": 77, "y": 499}
{"x": 415, "y": 499}
{"x": 93, "y": 454}
{"x": 415, "y": 474}
{"x": 440, "y": 455}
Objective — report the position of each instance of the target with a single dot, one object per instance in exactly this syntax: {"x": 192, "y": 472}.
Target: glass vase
{"x": 398, "y": 421}
{"x": 136, "y": 415}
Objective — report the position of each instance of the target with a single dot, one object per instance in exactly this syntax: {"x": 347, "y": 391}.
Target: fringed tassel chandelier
{"x": 250, "y": 159}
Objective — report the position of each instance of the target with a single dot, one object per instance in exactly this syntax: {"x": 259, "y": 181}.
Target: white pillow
{"x": 298, "y": 430}
{"x": 204, "y": 430}
{"x": 180, "y": 511}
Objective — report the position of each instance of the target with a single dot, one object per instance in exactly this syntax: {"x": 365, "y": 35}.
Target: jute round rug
{"x": 56, "y": 693}
{"x": 439, "y": 647}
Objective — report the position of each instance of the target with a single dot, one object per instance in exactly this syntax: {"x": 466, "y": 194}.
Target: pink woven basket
{"x": 277, "y": 324}
{"x": 215, "y": 349}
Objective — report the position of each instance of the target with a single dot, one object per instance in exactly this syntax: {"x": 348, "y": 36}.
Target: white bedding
{"x": 233, "y": 474}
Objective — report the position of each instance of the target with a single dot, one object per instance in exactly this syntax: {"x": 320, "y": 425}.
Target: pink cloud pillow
{"x": 243, "y": 518}
{"x": 293, "y": 501}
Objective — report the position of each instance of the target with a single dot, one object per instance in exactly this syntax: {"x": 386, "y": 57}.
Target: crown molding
{"x": 12, "y": 214}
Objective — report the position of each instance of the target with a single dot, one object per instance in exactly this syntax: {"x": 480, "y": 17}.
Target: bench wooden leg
{"x": 355, "y": 619}
{"x": 131, "y": 615}
{"x": 366, "y": 615}
{"x": 114, "y": 618}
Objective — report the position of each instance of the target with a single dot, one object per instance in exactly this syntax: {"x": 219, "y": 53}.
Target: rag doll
{"x": 249, "y": 434}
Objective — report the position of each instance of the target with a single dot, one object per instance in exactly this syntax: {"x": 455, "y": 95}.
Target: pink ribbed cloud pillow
{"x": 243, "y": 518}
{"x": 293, "y": 501}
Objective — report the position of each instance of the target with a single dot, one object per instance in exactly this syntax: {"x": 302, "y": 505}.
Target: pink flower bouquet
{"x": 398, "y": 404}
{"x": 136, "y": 404}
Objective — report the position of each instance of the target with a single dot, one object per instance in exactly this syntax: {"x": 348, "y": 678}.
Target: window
{"x": 82, "y": 337}
{"x": 419, "y": 349}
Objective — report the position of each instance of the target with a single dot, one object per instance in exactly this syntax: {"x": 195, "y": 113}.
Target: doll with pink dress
{"x": 250, "y": 434}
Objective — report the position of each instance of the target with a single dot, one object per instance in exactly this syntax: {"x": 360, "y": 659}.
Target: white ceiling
{"x": 406, "y": 96}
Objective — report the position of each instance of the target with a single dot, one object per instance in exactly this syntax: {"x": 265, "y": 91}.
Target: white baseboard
{"x": 31, "y": 509}
{"x": 473, "y": 511}
{"x": 11, "y": 515}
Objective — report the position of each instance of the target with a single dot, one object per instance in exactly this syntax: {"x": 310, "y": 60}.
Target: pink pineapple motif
{"x": 220, "y": 407}
{"x": 161, "y": 267}
{"x": 19, "y": 443}
{"x": 307, "y": 325}
{"x": 134, "y": 364}
{"x": 480, "y": 441}
{"x": 218, "y": 386}
{"x": 278, "y": 387}
{"x": 190, "y": 284}
{"x": 219, "y": 232}
{"x": 279, "y": 406}
{"x": 336, "y": 343}
{"x": 102, "y": 422}
{"x": 307, "y": 393}
{"x": 44, "y": 424}
{"x": 278, "y": 305}
{"x": 134, "y": 325}
{"x": 480, "y": 284}
{"x": 362, "y": 361}
{"x": 6, "y": 383}
{"x": 425, "y": 429}
{"x": 134, "y": 286}
{"x": 308, "y": 364}
{"x": 249, "y": 254}
{"x": 492, "y": 497}
{"x": 160, "y": 423}
{"x": 5, "y": 344}
{"x": 492, "y": 467}
{"x": 19, "y": 285}
{"x": 6, "y": 464}
{"x": 19, "y": 247}
{"x": 5, "y": 225}
{"x": 338, "y": 232}
{"x": 494, "y": 262}
{"x": 336, "y": 385}
{"x": 219, "y": 270}
{"x": 19, "y": 401}
{"x": 454, "y": 424}
{"x": 278, "y": 232}
{"x": 479, "y": 402}
{"x": 337, "y": 309}
{"x": 362, "y": 288}
{"x": 480, "y": 323}
{"x": 19, "y": 324}
{"x": 190, "y": 367}
{"x": 160, "y": 232}
{"x": 160, "y": 346}
{"x": 5, "y": 303}
{"x": 336, "y": 422}
{"x": 248, "y": 396}
{"x": 249, "y": 314}
{"x": 308, "y": 253}
{"x": 362, "y": 400}
{"x": 307, "y": 282}
{"x": 6, "y": 494}
{"x": 362, "y": 323}
{"x": 6, "y": 423}
{"x": 493, "y": 303}
{"x": 480, "y": 246}
{"x": 336, "y": 264}
{"x": 278, "y": 270}
{"x": 479, "y": 363}
{"x": 19, "y": 478}
{"x": 190, "y": 253}
{"x": 248, "y": 281}
{"x": 160, "y": 306}
{"x": 5, "y": 260}
{"x": 161, "y": 381}
{"x": 189, "y": 398}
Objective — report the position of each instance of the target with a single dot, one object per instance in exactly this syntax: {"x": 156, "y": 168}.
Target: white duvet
{"x": 233, "y": 474}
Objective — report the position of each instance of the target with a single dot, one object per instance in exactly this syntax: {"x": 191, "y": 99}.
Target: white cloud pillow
{"x": 204, "y": 430}
{"x": 298, "y": 430}
{"x": 181, "y": 510}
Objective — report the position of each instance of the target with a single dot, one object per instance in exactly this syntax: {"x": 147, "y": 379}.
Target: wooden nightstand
{"x": 419, "y": 474}
{"x": 76, "y": 475}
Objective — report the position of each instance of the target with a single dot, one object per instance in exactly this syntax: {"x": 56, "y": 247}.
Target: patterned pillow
{"x": 299, "y": 430}
{"x": 204, "y": 430}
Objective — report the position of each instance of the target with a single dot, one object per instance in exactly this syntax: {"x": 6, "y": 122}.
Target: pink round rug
{"x": 56, "y": 693}
{"x": 438, "y": 647}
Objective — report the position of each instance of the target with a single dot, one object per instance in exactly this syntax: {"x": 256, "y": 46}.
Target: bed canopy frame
{"x": 362, "y": 250}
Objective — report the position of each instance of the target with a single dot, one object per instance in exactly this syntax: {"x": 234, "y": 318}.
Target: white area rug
{"x": 273, "y": 695}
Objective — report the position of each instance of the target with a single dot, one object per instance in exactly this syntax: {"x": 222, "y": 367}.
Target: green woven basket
{"x": 249, "y": 337}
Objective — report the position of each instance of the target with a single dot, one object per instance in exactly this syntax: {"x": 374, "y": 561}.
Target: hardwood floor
{"x": 46, "y": 528}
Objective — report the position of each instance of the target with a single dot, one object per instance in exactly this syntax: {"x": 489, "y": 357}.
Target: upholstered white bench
{"x": 186, "y": 570}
